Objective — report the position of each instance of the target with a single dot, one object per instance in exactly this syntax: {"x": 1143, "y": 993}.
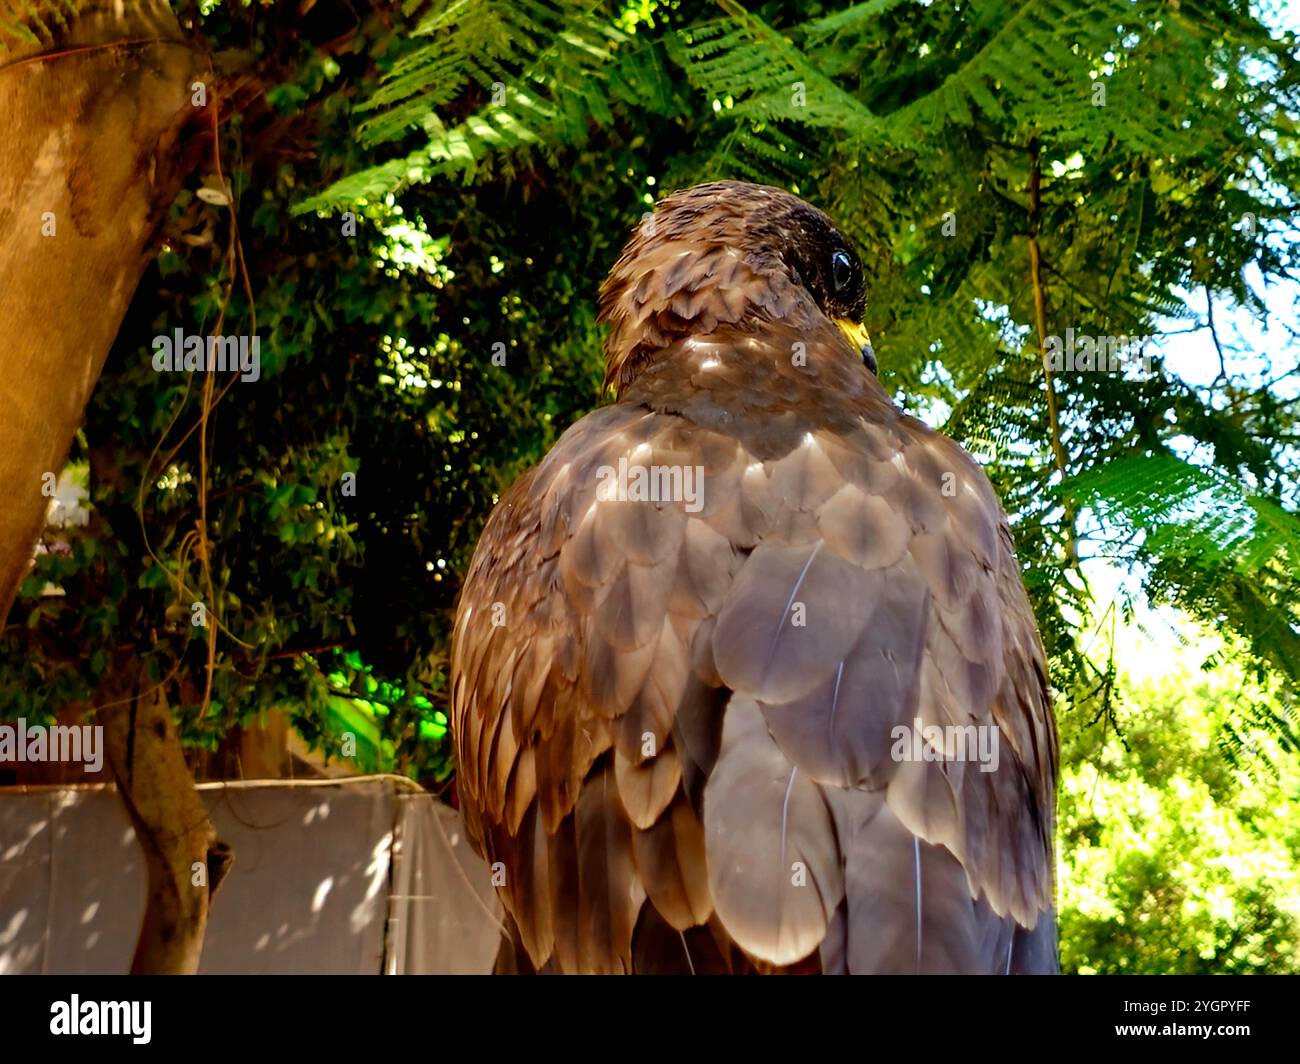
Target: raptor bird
{"x": 744, "y": 677}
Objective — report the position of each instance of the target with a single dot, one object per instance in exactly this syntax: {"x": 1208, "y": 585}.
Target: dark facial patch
{"x": 820, "y": 258}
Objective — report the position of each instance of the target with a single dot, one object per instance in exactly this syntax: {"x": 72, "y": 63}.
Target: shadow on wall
{"x": 358, "y": 876}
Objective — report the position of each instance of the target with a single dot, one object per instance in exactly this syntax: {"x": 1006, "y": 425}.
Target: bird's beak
{"x": 856, "y": 333}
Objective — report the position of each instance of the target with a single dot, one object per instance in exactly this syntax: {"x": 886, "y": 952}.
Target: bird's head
{"x": 729, "y": 254}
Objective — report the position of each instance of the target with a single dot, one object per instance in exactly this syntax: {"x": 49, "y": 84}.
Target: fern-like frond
{"x": 499, "y": 82}
{"x": 1202, "y": 517}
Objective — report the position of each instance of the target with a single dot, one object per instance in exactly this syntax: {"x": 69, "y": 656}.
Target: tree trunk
{"x": 89, "y": 163}
{"x": 184, "y": 859}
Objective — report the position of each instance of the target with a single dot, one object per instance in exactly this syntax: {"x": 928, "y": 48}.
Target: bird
{"x": 727, "y": 662}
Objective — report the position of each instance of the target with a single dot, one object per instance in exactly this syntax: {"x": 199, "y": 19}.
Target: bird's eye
{"x": 841, "y": 271}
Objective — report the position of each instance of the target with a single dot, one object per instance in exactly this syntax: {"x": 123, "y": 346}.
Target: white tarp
{"x": 340, "y": 876}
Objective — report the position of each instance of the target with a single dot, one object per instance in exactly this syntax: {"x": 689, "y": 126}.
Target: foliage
{"x": 1174, "y": 859}
{"x": 1225, "y": 554}
{"x": 328, "y": 602}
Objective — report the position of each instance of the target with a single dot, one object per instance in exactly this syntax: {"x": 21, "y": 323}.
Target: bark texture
{"x": 184, "y": 859}
{"x": 88, "y": 166}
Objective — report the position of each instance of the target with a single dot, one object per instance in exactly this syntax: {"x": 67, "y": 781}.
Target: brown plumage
{"x": 675, "y": 719}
